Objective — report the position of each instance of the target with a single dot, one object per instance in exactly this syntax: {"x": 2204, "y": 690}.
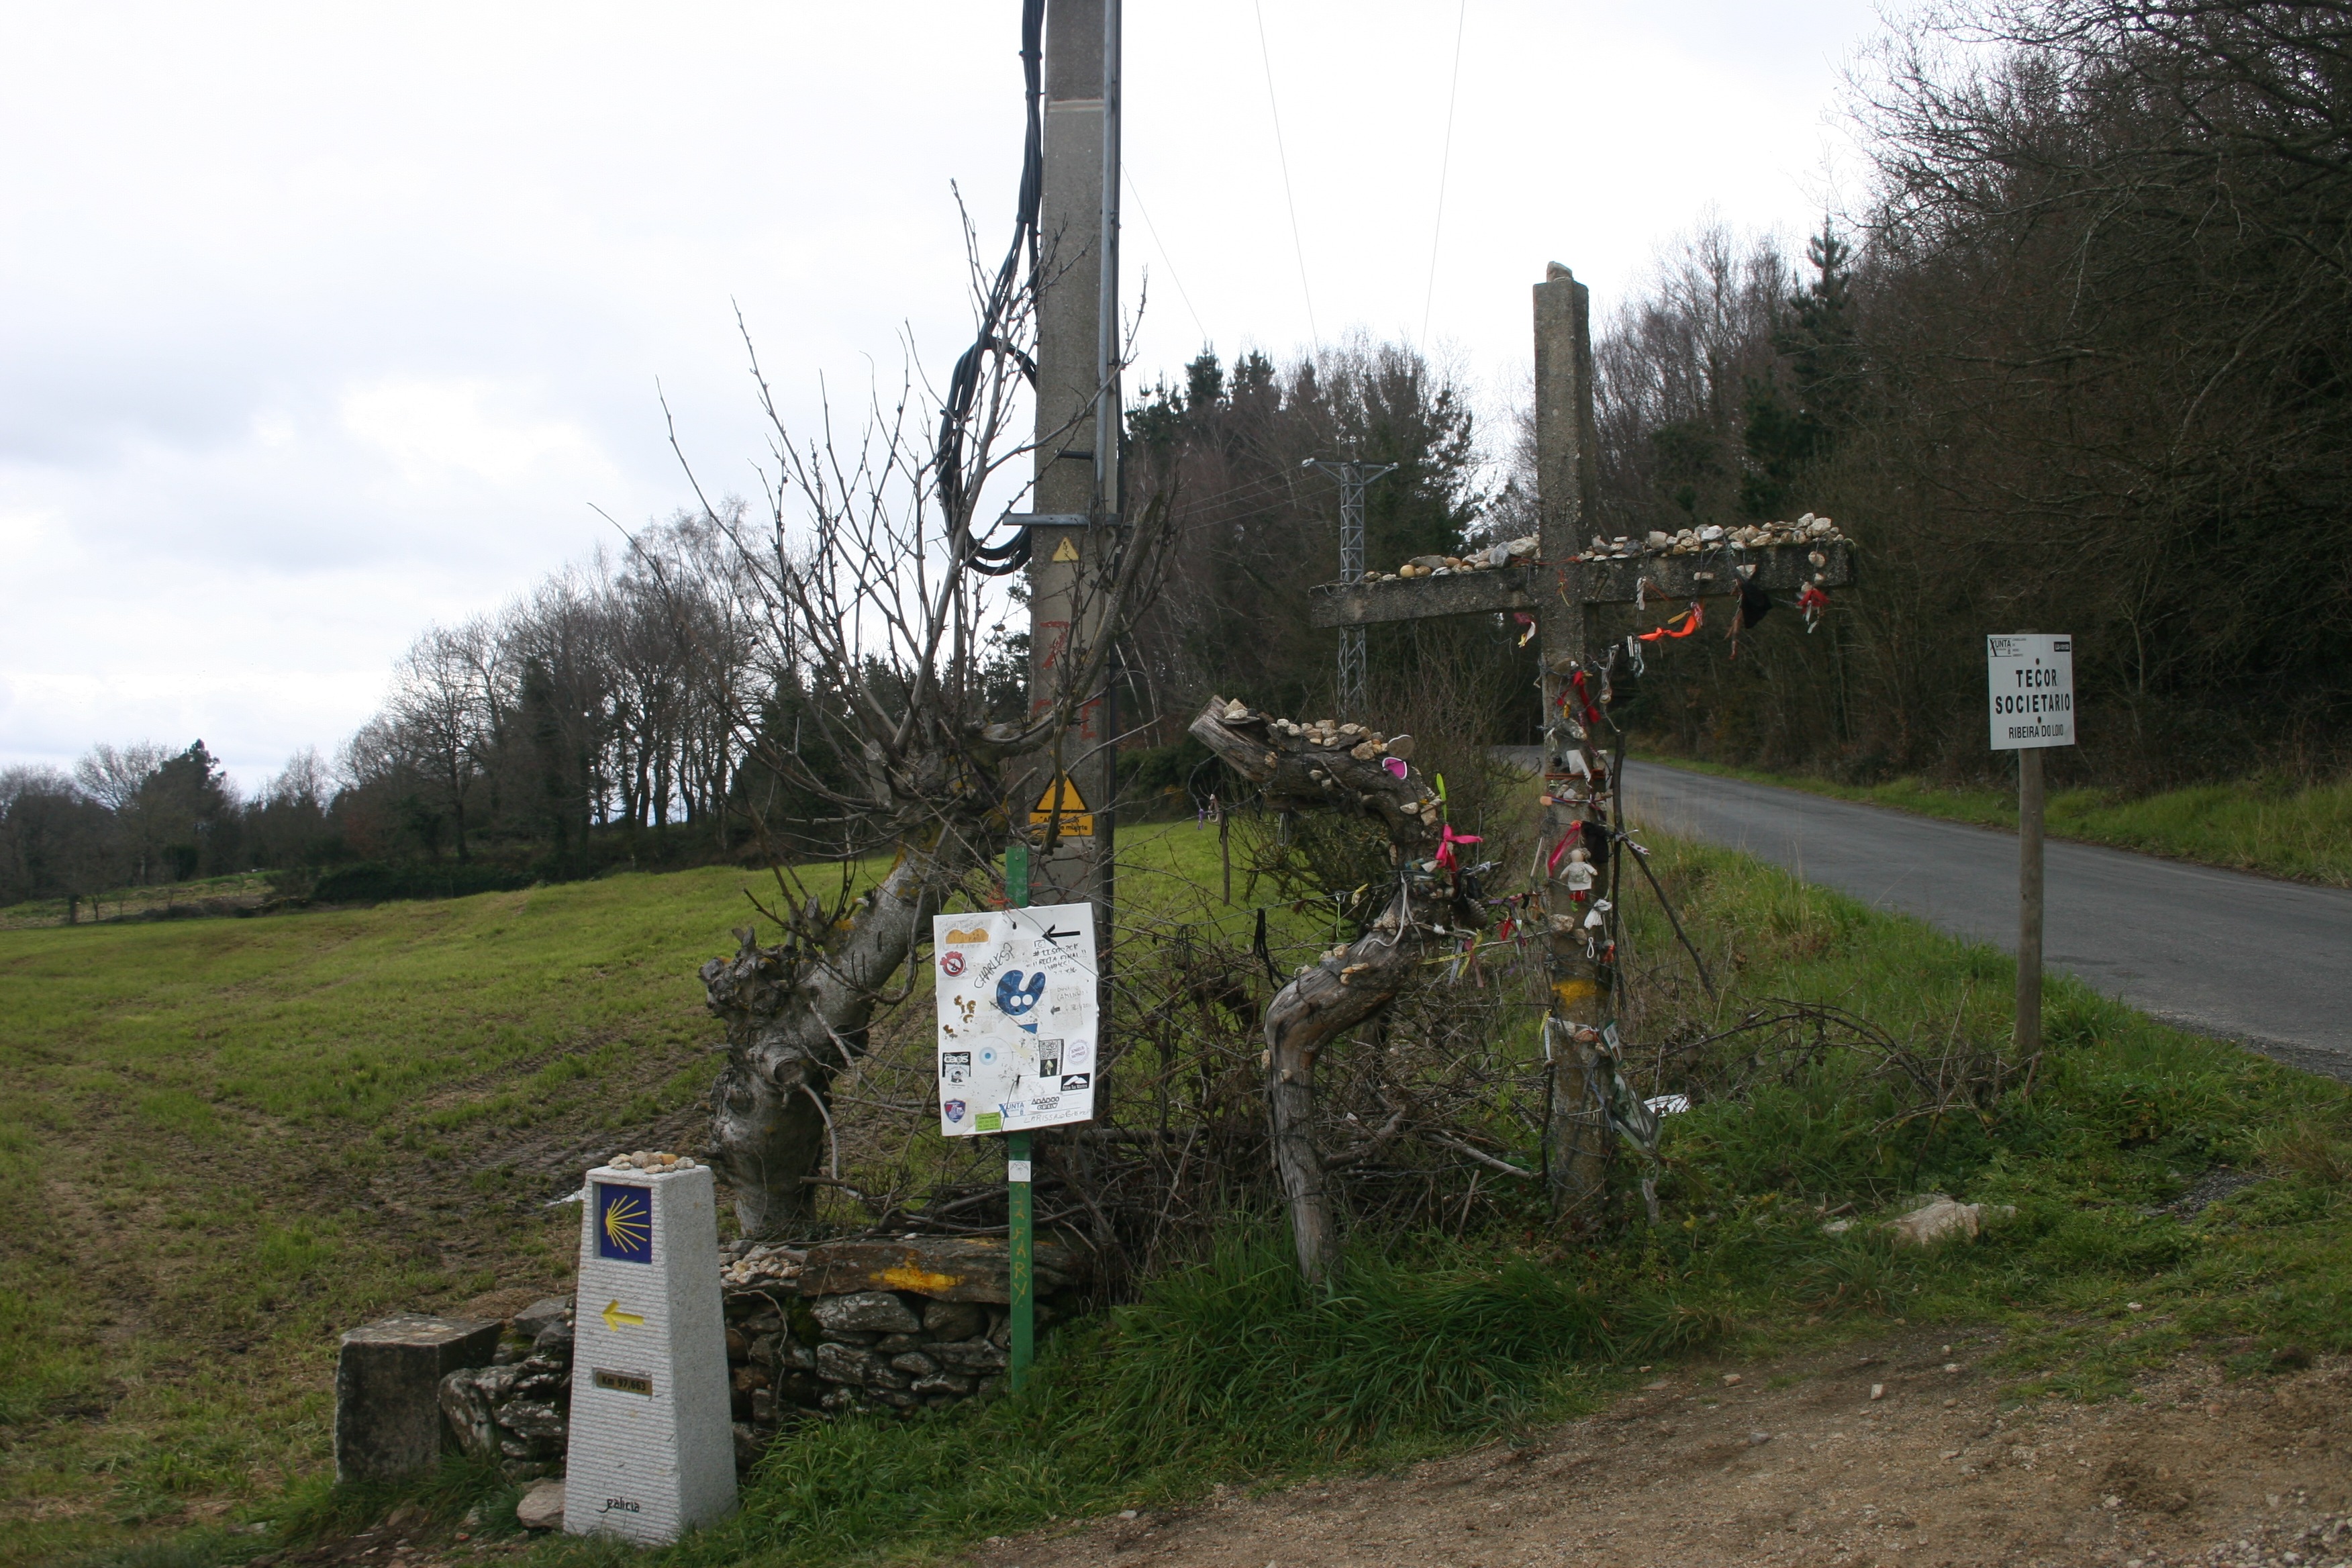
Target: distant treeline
{"x": 604, "y": 718}
{"x": 2085, "y": 366}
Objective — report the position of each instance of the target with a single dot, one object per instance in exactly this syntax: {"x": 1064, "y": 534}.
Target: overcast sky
{"x": 320, "y": 322}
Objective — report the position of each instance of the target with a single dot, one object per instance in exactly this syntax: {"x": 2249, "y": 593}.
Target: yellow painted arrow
{"x": 614, "y": 1317}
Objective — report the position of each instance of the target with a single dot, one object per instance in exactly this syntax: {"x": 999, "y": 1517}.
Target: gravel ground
{"x": 1797, "y": 1463}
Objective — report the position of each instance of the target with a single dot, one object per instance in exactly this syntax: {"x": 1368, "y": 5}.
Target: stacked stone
{"x": 897, "y": 1326}
{"x": 869, "y": 1350}
{"x": 1806, "y": 530}
{"x": 1509, "y": 552}
{"x": 900, "y": 1326}
{"x": 894, "y": 1351}
{"x": 516, "y": 1411}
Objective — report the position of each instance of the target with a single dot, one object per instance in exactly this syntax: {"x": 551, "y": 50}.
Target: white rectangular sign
{"x": 2031, "y": 678}
{"x": 1018, "y": 1028}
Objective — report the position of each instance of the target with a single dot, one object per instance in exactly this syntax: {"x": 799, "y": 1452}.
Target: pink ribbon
{"x": 1559, "y": 850}
{"x": 1446, "y": 839}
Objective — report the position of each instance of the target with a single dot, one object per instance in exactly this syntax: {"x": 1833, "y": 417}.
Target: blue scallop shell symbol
{"x": 1019, "y": 1002}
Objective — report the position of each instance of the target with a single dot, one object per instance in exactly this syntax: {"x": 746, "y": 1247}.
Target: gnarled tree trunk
{"x": 1357, "y": 770}
{"x": 796, "y": 1014}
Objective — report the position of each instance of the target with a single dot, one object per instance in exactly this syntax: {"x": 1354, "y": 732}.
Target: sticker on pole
{"x": 1062, "y": 799}
{"x": 1018, "y": 1025}
{"x": 2031, "y": 680}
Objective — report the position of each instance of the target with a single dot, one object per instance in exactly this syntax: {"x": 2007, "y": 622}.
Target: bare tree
{"x": 860, "y": 591}
{"x": 443, "y": 715}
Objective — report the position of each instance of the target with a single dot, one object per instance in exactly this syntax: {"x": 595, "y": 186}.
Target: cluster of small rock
{"x": 516, "y": 1411}
{"x": 651, "y": 1161}
{"x": 1509, "y": 552}
{"x": 1806, "y": 530}
{"x": 765, "y": 1264}
{"x": 2327, "y": 1543}
{"x": 1359, "y": 741}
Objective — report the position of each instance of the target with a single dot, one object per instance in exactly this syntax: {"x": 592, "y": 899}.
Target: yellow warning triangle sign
{"x": 1062, "y": 799}
{"x": 1068, "y": 549}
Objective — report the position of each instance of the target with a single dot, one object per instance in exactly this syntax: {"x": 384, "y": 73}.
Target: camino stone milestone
{"x": 652, "y": 1454}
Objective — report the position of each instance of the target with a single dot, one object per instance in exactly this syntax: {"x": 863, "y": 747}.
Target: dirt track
{"x": 1797, "y": 1464}
{"x": 1794, "y": 1464}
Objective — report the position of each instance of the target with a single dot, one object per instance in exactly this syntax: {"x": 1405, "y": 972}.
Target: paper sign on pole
{"x": 2030, "y": 679}
{"x": 1018, "y": 1026}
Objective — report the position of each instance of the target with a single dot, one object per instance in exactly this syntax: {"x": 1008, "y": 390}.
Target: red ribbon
{"x": 1690, "y": 621}
{"x": 1592, "y": 714}
{"x": 1812, "y": 598}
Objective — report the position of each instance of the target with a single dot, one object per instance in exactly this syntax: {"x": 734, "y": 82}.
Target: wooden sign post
{"x": 1581, "y": 813}
{"x": 2030, "y": 682}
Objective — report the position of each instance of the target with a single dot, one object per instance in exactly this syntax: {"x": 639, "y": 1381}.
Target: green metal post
{"x": 1024, "y": 1258}
{"x": 1021, "y": 1230}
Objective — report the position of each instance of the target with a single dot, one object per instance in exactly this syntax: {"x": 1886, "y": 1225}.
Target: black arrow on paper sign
{"x": 1052, "y": 935}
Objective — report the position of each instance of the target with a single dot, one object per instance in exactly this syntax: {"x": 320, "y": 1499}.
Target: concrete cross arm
{"x": 1597, "y": 580}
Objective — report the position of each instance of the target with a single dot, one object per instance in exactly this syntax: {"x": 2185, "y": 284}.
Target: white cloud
{"x": 325, "y": 321}
{"x": 437, "y": 430}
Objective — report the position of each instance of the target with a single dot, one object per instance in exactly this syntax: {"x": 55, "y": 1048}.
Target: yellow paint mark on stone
{"x": 922, "y": 1281}
{"x": 1569, "y": 992}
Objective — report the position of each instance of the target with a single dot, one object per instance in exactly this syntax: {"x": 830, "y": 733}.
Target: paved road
{"x": 2265, "y": 962}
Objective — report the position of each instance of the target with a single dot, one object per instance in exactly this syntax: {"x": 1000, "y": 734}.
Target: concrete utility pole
{"x": 1352, "y": 477}
{"x": 1079, "y": 422}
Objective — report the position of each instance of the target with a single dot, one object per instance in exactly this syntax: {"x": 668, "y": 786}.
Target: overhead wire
{"x": 963, "y": 385}
{"x": 1444, "y": 166}
{"x": 1298, "y": 248}
{"x": 1153, "y": 229}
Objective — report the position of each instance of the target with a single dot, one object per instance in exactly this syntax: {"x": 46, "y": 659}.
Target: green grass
{"x": 234, "y": 1139}
{"x": 241, "y": 1137}
{"x": 2299, "y": 831}
{"x": 227, "y": 1140}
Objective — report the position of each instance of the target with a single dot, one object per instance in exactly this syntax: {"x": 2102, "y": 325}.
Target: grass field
{"x": 234, "y": 1139}
{"x": 2300, "y": 831}
{"x": 230, "y": 1139}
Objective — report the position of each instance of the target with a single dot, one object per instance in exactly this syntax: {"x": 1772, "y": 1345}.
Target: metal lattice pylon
{"x": 1352, "y": 477}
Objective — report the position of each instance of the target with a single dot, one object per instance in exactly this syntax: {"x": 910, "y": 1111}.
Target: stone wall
{"x": 517, "y": 1410}
{"x": 919, "y": 1323}
{"x": 897, "y": 1326}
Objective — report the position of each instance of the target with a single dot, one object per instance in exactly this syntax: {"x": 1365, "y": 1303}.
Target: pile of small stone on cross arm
{"x": 1359, "y": 741}
{"x": 1806, "y": 530}
{"x": 1509, "y": 552}
{"x": 653, "y": 1161}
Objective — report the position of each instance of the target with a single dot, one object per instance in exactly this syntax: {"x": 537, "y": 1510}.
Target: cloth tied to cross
{"x": 1446, "y": 839}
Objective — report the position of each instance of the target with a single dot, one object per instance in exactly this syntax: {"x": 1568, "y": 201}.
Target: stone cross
{"x": 1570, "y": 573}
